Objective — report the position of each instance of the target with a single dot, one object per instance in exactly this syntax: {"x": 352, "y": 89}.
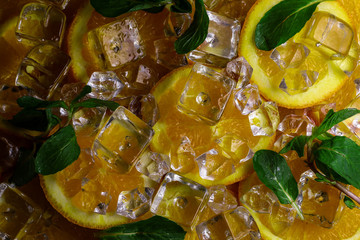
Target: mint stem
{"x": 347, "y": 192}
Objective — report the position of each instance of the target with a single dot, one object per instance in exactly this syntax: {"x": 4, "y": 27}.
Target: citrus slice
{"x": 86, "y": 192}
{"x": 174, "y": 127}
{"x": 268, "y": 76}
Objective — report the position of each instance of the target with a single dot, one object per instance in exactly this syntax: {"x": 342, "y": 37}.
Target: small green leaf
{"x": 31, "y": 119}
{"x": 298, "y": 144}
{"x": 332, "y": 118}
{"x": 155, "y": 228}
{"x": 349, "y": 202}
{"x": 86, "y": 89}
{"x": 340, "y": 158}
{"x": 25, "y": 168}
{"x": 33, "y": 103}
{"x": 53, "y": 120}
{"x": 196, "y": 33}
{"x": 321, "y": 178}
{"x": 93, "y": 102}
{"x": 282, "y": 22}
{"x": 181, "y": 6}
{"x": 114, "y": 8}
{"x": 59, "y": 151}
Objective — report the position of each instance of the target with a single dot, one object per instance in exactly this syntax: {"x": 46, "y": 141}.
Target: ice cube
{"x": 281, "y": 217}
{"x": 39, "y": 23}
{"x": 211, "y": 4}
{"x": 87, "y": 121}
{"x": 265, "y": 120}
{"x": 176, "y": 24}
{"x": 247, "y": 99}
{"x": 357, "y": 85}
{"x": 178, "y": 199}
{"x": 213, "y": 165}
{"x": 295, "y": 82}
{"x": 104, "y": 85}
{"x": 289, "y": 55}
{"x": 132, "y": 137}
{"x": 259, "y": 198}
{"x": 183, "y": 158}
{"x": 103, "y": 205}
{"x": 154, "y": 165}
{"x": 239, "y": 70}
{"x": 221, "y": 41}
{"x": 293, "y": 124}
{"x": 331, "y": 34}
{"x": 236, "y": 147}
{"x": 135, "y": 203}
{"x": 166, "y": 55}
{"x": 42, "y": 70}
{"x": 215, "y": 228}
{"x": 206, "y": 94}
{"x": 242, "y": 224}
{"x": 117, "y": 43}
{"x": 61, "y": 3}
{"x": 320, "y": 202}
{"x": 18, "y": 212}
{"x": 221, "y": 199}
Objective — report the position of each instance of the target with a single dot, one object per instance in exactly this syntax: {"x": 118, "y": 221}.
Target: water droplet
{"x": 180, "y": 202}
{"x": 203, "y": 98}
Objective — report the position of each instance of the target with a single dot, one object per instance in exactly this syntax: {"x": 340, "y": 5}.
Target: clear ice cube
{"x": 211, "y": 4}
{"x": 213, "y": 165}
{"x": 61, "y": 3}
{"x": 117, "y": 43}
{"x": 221, "y": 199}
{"x": 220, "y": 45}
{"x": 215, "y": 228}
{"x": 289, "y": 55}
{"x": 259, "y": 198}
{"x": 18, "y": 212}
{"x": 293, "y": 124}
{"x": 236, "y": 224}
{"x": 242, "y": 224}
{"x": 239, "y": 70}
{"x": 247, "y": 99}
{"x": 135, "y": 203}
{"x": 183, "y": 158}
{"x": 87, "y": 121}
{"x": 40, "y": 23}
{"x": 154, "y": 165}
{"x": 176, "y": 24}
{"x": 145, "y": 107}
{"x": 179, "y": 199}
{"x": 357, "y": 85}
{"x": 166, "y": 55}
{"x": 330, "y": 34}
{"x": 104, "y": 85}
{"x": 223, "y": 36}
{"x": 320, "y": 202}
{"x": 236, "y": 147}
{"x": 295, "y": 82}
{"x": 206, "y": 94}
{"x": 42, "y": 70}
{"x": 265, "y": 120}
{"x": 132, "y": 137}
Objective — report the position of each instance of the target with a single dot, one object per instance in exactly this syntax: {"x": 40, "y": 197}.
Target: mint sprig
{"x": 192, "y": 37}
{"x": 282, "y": 22}
{"x": 333, "y": 159}
{"x": 155, "y": 228}
{"x": 54, "y": 153}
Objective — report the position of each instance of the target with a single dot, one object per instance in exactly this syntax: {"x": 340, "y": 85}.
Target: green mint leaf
{"x": 340, "y": 158}
{"x": 93, "y": 102}
{"x": 114, "y": 8}
{"x": 53, "y": 120}
{"x": 33, "y": 103}
{"x": 181, "y": 6}
{"x": 349, "y": 202}
{"x": 298, "y": 144}
{"x": 282, "y": 22}
{"x": 155, "y": 228}
{"x": 31, "y": 119}
{"x": 155, "y": 9}
{"x": 275, "y": 173}
{"x": 332, "y": 118}
{"x": 321, "y": 178}
{"x": 86, "y": 89}
{"x": 196, "y": 33}
{"x": 59, "y": 151}
{"x": 25, "y": 168}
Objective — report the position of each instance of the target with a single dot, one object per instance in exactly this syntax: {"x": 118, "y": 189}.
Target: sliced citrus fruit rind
{"x": 174, "y": 125}
{"x": 323, "y": 88}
